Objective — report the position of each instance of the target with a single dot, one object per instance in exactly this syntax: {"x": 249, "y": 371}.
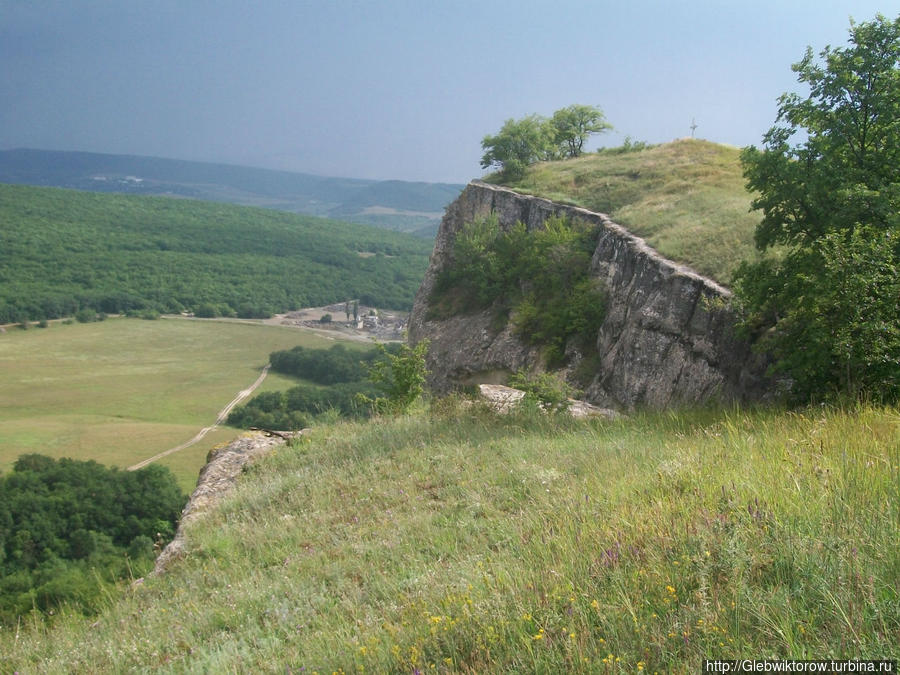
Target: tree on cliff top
{"x": 518, "y": 144}
{"x": 573, "y": 125}
{"x": 534, "y": 138}
{"x": 827, "y": 306}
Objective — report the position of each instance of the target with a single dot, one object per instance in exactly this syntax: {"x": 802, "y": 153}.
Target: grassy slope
{"x": 464, "y": 543}
{"x": 123, "y": 390}
{"x": 687, "y": 198}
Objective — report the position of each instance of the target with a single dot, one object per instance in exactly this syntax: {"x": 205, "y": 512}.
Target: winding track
{"x": 223, "y": 415}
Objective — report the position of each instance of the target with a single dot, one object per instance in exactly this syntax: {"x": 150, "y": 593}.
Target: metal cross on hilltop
{"x": 693, "y": 126}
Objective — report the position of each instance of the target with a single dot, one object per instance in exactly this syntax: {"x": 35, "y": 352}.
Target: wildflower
{"x": 572, "y": 636}
{"x": 595, "y": 604}
{"x": 363, "y": 650}
{"x": 539, "y": 635}
{"x": 671, "y": 589}
{"x": 640, "y": 665}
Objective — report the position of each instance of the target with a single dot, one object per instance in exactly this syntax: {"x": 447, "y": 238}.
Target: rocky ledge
{"x": 217, "y": 477}
{"x": 667, "y": 339}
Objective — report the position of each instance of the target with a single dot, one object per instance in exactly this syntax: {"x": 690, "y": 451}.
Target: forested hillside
{"x": 62, "y": 251}
{"x": 392, "y": 204}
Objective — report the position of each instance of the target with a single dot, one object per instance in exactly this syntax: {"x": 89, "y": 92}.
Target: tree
{"x": 521, "y": 143}
{"x": 518, "y": 144}
{"x": 574, "y": 124}
{"x": 826, "y": 304}
{"x": 401, "y": 376}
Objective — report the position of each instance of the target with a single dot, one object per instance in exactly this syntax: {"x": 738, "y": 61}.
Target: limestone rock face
{"x": 667, "y": 338}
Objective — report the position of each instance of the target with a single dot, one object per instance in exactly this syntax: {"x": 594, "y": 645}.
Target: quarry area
{"x": 350, "y": 320}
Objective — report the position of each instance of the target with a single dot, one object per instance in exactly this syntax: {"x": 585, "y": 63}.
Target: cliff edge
{"x": 667, "y": 338}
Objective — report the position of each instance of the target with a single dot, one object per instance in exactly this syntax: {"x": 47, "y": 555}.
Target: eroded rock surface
{"x": 222, "y": 469}
{"x": 667, "y": 338}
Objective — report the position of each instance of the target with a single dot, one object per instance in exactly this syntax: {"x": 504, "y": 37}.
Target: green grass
{"x": 686, "y": 198}
{"x": 123, "y": 390}
{"x": 460, "y": 542}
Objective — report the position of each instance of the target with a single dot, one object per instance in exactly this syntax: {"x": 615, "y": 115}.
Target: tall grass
{"x": 457, "y": 541}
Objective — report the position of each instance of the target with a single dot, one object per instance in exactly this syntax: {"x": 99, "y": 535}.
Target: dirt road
{"x": 223, "y": 415}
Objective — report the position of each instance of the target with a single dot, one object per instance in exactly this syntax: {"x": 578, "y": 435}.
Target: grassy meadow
{"x": 456, "y": 541}
{"x": 122, "y": 390}
{"x": 686, "y": 198}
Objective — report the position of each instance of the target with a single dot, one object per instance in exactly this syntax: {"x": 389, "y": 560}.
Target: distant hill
{"x": 62, "y": 251}
{"x": 391, "y": 204}
{"x": 686, "y": 198}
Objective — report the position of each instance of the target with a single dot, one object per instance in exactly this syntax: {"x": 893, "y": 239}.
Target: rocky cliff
{"x": 667, "y": 338}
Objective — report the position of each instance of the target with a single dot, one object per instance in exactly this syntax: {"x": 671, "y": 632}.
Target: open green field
{"x": 122, "y": 390}
{"x": 459, "y": 542}
{"x": 686, "y": 198}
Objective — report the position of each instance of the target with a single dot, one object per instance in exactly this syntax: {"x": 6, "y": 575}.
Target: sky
{"x": 394, "y": 89}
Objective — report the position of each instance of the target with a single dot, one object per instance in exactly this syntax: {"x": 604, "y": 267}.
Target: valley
{"x": 123, "y": 390}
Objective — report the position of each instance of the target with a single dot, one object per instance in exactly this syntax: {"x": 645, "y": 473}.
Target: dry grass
{"x": 687, "y": 198}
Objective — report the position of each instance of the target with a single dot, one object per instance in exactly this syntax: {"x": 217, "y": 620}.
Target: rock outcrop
{"x": 667, "y": 338}
{"x": 217, "y": 477}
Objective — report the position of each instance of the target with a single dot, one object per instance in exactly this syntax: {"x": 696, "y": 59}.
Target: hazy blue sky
{"x": 392, "y": 88}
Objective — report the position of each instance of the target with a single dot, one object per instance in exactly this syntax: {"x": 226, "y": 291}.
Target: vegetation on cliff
{"x": 459, "y": 541}
{"x": 61, "y": 251}
{"x": 539, "y": 280}
{"x": 521, "y": 143}
{"x": 686, "y": 198}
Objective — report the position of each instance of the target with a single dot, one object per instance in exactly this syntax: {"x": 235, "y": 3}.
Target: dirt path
{"x": 223, "y": 415}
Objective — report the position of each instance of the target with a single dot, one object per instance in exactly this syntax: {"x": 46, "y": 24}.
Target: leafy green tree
{"x": 65, "y": 527}
{"x": 826, "y": 304}
{"x": 401, "y": 376}
{"x": 518, "y": 144}
{"x": 573, "y": 125}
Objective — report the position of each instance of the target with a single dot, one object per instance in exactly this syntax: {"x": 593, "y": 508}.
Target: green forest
{"x": 62, "y": 251}
{"x": 332, "y": 382}
{"x": 70, "y": 529}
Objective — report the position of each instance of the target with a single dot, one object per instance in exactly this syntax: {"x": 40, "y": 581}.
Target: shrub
{"x": 547, "y": 390}
{"x": 206, "y": 310}
{"x": 540, "y": 278}
{"x": 85, "y": 315}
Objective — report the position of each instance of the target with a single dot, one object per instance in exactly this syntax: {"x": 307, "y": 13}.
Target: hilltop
{"x": 64, "y": 250}
{"x": 686, "y": 198}
{"x": 405, "y": 206}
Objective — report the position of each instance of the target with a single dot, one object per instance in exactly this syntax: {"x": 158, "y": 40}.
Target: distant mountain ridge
{"x": 406, "y": 206}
